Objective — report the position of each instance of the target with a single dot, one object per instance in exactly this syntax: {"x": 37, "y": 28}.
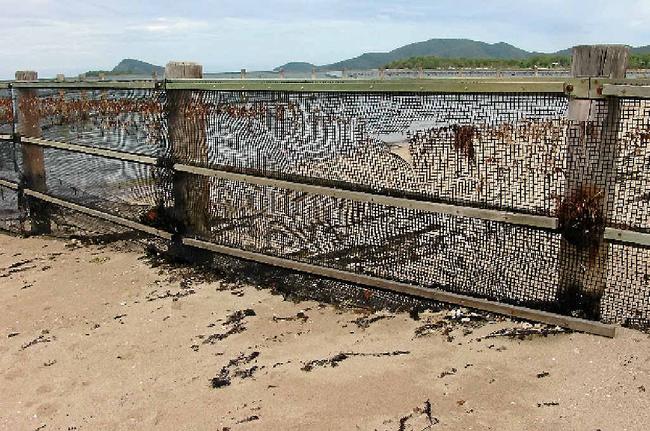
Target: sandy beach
{"x": 93, "y": 337}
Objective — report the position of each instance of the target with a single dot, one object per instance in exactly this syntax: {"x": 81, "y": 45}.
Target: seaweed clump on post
{"x": 581, "y": 218}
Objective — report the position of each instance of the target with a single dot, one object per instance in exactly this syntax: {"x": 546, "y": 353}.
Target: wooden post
{"x": 33, "y": 157}
{"x": 187, "y": 135}
{"x": 592, "y": 149}
{"x": 242, "y": 74}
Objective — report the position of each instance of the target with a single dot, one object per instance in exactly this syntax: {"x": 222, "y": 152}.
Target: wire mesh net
{"x": 627, "y": 298}
{"x": 125, "y": 120}
{"x": 631, "y": 207}
{"x": 10, "y": 161}
{"x": 491, "y": 150}
{"x": 125, "y": 189}
{"x": 463, "y": 255}
{"x": 10, "y": 214}
{"x": 6, "y": 111}
{"x": 516, "y": 152}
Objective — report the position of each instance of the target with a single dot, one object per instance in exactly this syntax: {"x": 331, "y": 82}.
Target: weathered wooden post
{"x": 587, "y": 204}
{"x": 28, "y": 117}
{"x": 187, "y": 136}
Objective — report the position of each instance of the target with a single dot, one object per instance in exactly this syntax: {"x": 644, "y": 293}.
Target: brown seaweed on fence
{"x": 464, "y": 141}
{"x": 581, "y": 218}
{"x": 6, "y": 111}
{"x": 73, "y": 110}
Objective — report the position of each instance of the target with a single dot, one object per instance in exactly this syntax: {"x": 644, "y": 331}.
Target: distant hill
{"x": 441, "y": 48}
{"x": 445, "y": 48}
{"x": 130, "y": 66}
{"x": 296, "y": 66}
{"x": 137, "y": 67}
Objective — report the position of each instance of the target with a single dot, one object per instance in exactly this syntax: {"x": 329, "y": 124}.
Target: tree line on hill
{"x": 637, "y": 61}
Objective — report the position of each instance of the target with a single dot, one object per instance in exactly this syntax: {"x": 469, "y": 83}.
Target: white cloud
{"x": 170, "y": 25}
{"x": 72, "y": 36}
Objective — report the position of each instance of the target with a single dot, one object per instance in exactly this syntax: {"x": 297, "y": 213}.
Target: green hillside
{"x": 137, "y": 67}
{"x": 637, "y": 61}
{"x": 130, "y": 66}
{"x": 463, "y": 52}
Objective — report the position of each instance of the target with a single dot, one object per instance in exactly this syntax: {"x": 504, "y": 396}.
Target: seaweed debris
{"x": 340, "y": 357}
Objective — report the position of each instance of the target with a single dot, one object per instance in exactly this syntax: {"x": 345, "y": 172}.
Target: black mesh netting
{"x": 627, "y": 298}
{"x": 11, "y": 216}
{"x": 490, "y": 150}
{"x": 631, "y": 208}
{"x": 6, "y": 111}
{"x": 126, "y": 120}
{"x": 515, "y": 152}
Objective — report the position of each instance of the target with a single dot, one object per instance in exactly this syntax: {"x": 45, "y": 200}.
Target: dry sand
{"x": 92, "y": 338}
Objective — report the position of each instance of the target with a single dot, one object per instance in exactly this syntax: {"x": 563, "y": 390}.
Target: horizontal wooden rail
{"x": 587, "y": 88}
{"x": 444, "y": 85}
{"x": 609, "y": 87}
{"x": 627, "y": 236}
{"x": 434, "y": 207}
{"x": 72, "y": 85}
{"x": 637, "y": 91}
{"x": 8, "y": 184}
{"x": 582, "y": 325}
{"x": 99, "y": 214}
{"x": 95, "y": 151}
{"x": 611, "y": 234}
{"x": 4, "y": 137}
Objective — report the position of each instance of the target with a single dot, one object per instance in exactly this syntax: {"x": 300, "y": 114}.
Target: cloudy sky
{"x": 72, "y": 36}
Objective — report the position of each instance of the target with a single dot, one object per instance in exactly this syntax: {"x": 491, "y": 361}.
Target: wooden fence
{"x": 594, "y": 95}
